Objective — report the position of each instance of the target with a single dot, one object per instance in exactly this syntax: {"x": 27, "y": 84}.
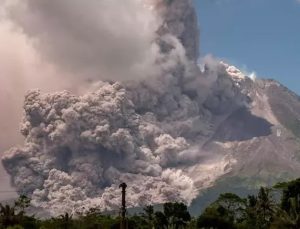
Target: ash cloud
{"x": 55, "y": 45}
{"x": 20, "y": 70}
{"x": 147, "y": 129}
{"x": 92, "y": 39}
{"x": 36, "y": 52}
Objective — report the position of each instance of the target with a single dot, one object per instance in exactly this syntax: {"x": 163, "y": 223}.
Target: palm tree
{"x": 66, "y": 221}
{"x": 286, "y": 220}
{"x": 22, "y": 203}
{"x": 160, "y": 221}
{"x": 177, "y": 214}
{"x": 265, "y": 205}
{"x": 148, "y": 216}
{"x": 8, "y": 216}
{"x": 289, "y": 213}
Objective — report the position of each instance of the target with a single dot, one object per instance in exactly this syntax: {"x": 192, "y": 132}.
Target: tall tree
{"x": 177, "y": 214}
{"x": 8, "y": 216}
{"x": 233, "y": 205}
{"x": 148, "y": 215}
{"x": 289, "y": 214}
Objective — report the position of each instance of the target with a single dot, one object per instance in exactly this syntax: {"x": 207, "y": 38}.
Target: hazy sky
{"x": 258, "y": 35}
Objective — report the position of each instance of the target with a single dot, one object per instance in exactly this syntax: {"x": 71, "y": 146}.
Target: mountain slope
{"x": 262, "y": 137}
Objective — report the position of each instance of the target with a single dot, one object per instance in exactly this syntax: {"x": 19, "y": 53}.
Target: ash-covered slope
{"x": 170, "y": 134}
{"x": 263, "y": 136}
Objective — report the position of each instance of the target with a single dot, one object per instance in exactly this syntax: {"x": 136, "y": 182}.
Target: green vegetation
{"x": 262, "y": 211}
{"x": 174, "y": 215}
{"x": 270, "y": 208}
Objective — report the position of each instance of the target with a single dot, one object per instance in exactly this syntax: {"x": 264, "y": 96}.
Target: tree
{"x": 66, "y": 221}
{"x": 215, "y": 217}
{"x": 15, "y": 227}
{"x": 22, "y": 203}
{"x": 265, "y": 207}
{"x": 228, "y": 210}
{"x": 289, "y": 213}
{"x": 260, "y": 211}
{"x": 160, "y": 221}
{"x": 15, "y": 215}
{"x": 177, "y": 214}
{"x": 148, "y": 216}
{"x": 233, "y": 205}
{"x": 8, "y": 216}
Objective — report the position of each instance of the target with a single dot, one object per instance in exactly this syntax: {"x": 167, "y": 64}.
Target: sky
{"x": 256, "y": 35}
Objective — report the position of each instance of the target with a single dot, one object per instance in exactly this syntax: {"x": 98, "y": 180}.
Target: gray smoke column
{"x": 146, "y": 132}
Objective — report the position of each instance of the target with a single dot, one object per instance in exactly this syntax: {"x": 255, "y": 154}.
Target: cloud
{"x": 60, "y": 59}
{"x": 106, "y": 40}
{"x": 56, "y": 45}
{"x": 79, "y": 148}
{"x": 38, "y": 52}
{"x": 22, "y": 69}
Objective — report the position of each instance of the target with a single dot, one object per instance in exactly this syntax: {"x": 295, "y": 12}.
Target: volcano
{"x": 177, "y": 129}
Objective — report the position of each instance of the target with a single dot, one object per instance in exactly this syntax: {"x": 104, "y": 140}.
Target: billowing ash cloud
{"x": 55, "y": 45}
{"x": 146, "y": 132}
{"x": 91, "y": 142}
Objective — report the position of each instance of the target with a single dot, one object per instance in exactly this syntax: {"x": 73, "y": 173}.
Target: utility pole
{"x": 123, "y": 208}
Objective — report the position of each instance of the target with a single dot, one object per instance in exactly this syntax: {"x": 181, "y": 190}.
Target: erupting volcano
{"x": 151, "y": 115}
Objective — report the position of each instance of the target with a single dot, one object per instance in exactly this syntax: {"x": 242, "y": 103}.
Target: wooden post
{"x": 123, "y": 208}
